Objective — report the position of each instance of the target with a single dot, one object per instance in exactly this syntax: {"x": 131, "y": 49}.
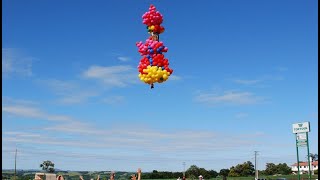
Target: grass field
{"x": 288, "y": 177}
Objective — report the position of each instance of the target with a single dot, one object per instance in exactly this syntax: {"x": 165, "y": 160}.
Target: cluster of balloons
{"x": 153, "y": 66}
{"x": 155, "y": 60}
{"x": 154, "y": 74}
{"x": 151, "y": 47}
{"x": 153, "y": 19}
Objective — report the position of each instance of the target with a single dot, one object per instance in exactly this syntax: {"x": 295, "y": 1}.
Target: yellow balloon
{"x": 165, "y": 76}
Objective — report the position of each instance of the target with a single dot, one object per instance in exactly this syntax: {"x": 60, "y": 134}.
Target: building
{"x": 45, "y": 176}
{"x": 304, "y": 167}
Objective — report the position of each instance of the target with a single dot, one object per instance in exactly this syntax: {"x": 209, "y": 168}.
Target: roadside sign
{"x": 301, "y": 127}
{"x": 301, "y": 136}
{"x": 302, "y": 143}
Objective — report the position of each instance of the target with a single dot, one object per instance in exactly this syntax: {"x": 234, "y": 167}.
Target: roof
{"x": 315, "y": 163}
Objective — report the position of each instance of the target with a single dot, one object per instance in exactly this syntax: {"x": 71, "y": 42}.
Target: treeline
{"x": 281, "y": 168}
{"x": 240, "y": 170}
{"x": 161, "y": 175}
{"x": 192, "y": 173}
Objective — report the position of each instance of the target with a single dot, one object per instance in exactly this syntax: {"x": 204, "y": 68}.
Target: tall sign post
{"x": 301, "y": 132}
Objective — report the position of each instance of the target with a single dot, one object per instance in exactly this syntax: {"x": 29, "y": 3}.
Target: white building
{"x": 304, "y": 167}
{"x": 45, "y": 176}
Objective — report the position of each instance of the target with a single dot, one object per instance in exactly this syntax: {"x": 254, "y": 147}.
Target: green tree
{"x": 283, "y": 168}
{"x": 271, "y": 169}
{"x": 193, "y": 170}
{"x": 247, "y": 169}
{"x": 233, "y": 172}
{"x": 224, "y": 172}
{"x": 47, "y": 166}
{"x": 244, "y": 169}
{"x": 212, "y": 174}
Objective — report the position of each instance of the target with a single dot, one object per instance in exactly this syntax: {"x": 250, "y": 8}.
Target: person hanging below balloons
{"x": 153, "y": 66}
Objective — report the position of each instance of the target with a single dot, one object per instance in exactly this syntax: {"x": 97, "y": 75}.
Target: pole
{"x": 255, "y": 164}
{"x": 15, "y": 165}
{"x": 308, "y": 157}
{"x": 298, "y": 158}
{"x": 184, "y": 165}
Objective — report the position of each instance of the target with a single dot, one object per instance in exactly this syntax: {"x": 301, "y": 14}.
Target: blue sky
{"x": 244, "y": 72}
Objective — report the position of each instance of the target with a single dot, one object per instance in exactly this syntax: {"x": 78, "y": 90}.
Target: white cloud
{"x": 9, "y": 100}
{"x": 32, "y": 112}
{"x": 149, "y": 140}
{"x": 60, "y": 87}
{"x": 230, "y": 97}
{"x": 77, "y": 98}
{"x": 113, "y": 100}
{"x": 258, "y": 81}
{"x": 112, "y": 76}
{"x": 281, "y": 68}
{"x": 14, "y": 63}
{"x": 124, "y": 58}
{"x": 69, "y": 92}
{"x": 174, "y": 77}
{"x": 247, "y": 82}
{"x": 241, "y": 115}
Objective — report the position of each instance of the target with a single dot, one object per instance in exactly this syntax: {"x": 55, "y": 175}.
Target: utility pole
{"x": 184, "y": 166}
{"x": 15, "y": 165}
{"x": 255, "y": 164}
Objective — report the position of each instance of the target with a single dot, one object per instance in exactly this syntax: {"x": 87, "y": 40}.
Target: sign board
{"x": 301, "y": 137}
{"x": 302, "y": 143}
{"x": 301, "y": 127}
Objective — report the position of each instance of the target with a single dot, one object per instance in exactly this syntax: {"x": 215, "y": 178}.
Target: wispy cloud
{"x": 77, "y": 98}
{"x": 112, "y": 76}
{"x": 114, "y": 100}
{"x": 142, "y": 137}
{"x": 8, "y": 100}
{"x": 175, "y": 77}
{"x": 148, "y": 139}
{"x": 32, "y": 112}
{"x": 258, "y": 81}
{"x": 281, "y": 68}
{"x": 69, "y": 92}
{"x": 15, "y": 63}
{"x": 241, "y": 115}
{"x": 123, "y": 58}
{"x": 247, "y": 82}
{"x": 60, "y": 87}
{"x": 229, "y": 98}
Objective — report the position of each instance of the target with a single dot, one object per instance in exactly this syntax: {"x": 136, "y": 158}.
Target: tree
{"x": 47, "y": 166}
{"x": 271, "y": 169}
{"x": 314, "y": 157}
{"x": 193, "y": 170}
{"x": 233, "y": 172}
{"x": 212, "y": 174}
{"x": 283, "y": 168}
{"x": 245, "y": 169}
{"x": 224, "y": 172}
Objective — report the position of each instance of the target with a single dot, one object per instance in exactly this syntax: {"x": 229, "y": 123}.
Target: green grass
{"x": 288, "y": 177}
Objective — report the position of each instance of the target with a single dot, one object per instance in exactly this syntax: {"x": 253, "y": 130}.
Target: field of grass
{"x": 288, "y": 177}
